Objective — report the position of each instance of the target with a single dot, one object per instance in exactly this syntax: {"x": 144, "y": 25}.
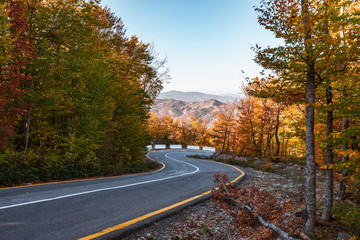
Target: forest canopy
{"x": 75, "y": 91}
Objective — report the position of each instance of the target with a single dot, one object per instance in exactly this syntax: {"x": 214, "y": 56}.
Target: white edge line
{"x": 105, "y": 189}
{"x": 197, "y": 169}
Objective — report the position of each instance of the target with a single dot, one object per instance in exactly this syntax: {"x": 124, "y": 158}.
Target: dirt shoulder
{"x": 208, "y": 221}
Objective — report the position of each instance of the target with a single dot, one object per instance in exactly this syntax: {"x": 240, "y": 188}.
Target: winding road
{"x": 108, "y": 207}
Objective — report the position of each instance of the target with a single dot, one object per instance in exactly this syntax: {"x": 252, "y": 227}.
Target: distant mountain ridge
{"x": 181, "y": 109}
{"x": 196, "y": 96}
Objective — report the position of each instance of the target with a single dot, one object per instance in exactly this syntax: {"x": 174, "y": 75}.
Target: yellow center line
{"x": 133, "y": 221}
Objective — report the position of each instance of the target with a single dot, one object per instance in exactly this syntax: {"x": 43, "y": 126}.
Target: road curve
{"x": 103, "y": 208}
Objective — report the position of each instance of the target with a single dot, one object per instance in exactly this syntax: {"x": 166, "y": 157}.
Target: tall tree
{"x": 310, "y": 123}
{"x": 16, "y": 54}
{"x": 5, "y": 89}
{"x": 308, "y": 57}
{"x": 223, "y": 127}
{"x": 329, "y": 130}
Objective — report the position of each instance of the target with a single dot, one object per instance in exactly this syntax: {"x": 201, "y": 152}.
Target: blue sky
{"x": 207, "y": 42}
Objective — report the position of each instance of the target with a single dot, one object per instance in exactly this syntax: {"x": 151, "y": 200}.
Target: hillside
{"x": 182, "y": 109}
{"x": 196, "y": 96}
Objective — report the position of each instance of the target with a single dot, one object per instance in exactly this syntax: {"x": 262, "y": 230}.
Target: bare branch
{"x": 273, "y": 227}
{"x": 56, "y": 17}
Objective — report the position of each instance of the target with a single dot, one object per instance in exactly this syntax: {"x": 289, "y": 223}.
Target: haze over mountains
{"x": 197, "y": 96}
{"x": 206, "y": 110}
{"x": 185, "y": 105}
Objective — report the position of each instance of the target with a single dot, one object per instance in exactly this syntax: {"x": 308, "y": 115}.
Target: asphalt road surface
{"x": 84, "y": 209}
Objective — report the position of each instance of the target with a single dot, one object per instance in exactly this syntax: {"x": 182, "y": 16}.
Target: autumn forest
{"x": 76, "y": 94}
{"x": 75, "y": 91}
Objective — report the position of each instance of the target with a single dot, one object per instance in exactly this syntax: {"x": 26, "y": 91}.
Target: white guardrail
{"x": 190, "y": 147}
{"x": 175, "y": 146}
{"x": 160, "y": 146}
{"x": 211, "y": 149}
{"x": 193, "y": 147}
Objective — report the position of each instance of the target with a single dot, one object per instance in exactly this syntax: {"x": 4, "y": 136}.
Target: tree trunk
{"x": 72, "y": 108}
{"x": 27, "y": 129}
{"x": 286, "y": 148}
{"x": 267, "y": 150}
{"x": 260, "y": 145}
{"x": 329, "y": 195}
{"x": 277, "y": 153}
{"x": 28, "y": 116}
{"x": 345, "y": 125}
{"x": 329, "y": 158}
{"x": 224, "y": 142}
{"x": 253, "y": 135}
{"x": 345, "y": 158}
{"x": 310, "y": 135}
{"x": 228, "y": 140}
{"x": 310, "y": 155}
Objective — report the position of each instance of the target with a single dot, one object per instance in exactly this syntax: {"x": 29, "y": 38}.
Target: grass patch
{"x": 198, "y": 156}
{"x": 268, "y": 167}
{"x": 257, "y": 164}
{"x": 298, "y": 160}
{"x": 348, "y": 215}
{"x": 140, "y": 166}
{"x": 264, "y": 165}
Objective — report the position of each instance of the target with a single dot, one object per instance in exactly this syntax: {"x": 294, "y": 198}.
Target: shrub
{"x": 17, "y": 167}
{"x": 268, "y": 167}
{"x": 348, "y": 215}
{"x": 21, "y": 167}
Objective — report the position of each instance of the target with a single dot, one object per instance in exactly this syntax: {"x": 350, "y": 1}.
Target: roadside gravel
{"x": 207, "y": 221}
